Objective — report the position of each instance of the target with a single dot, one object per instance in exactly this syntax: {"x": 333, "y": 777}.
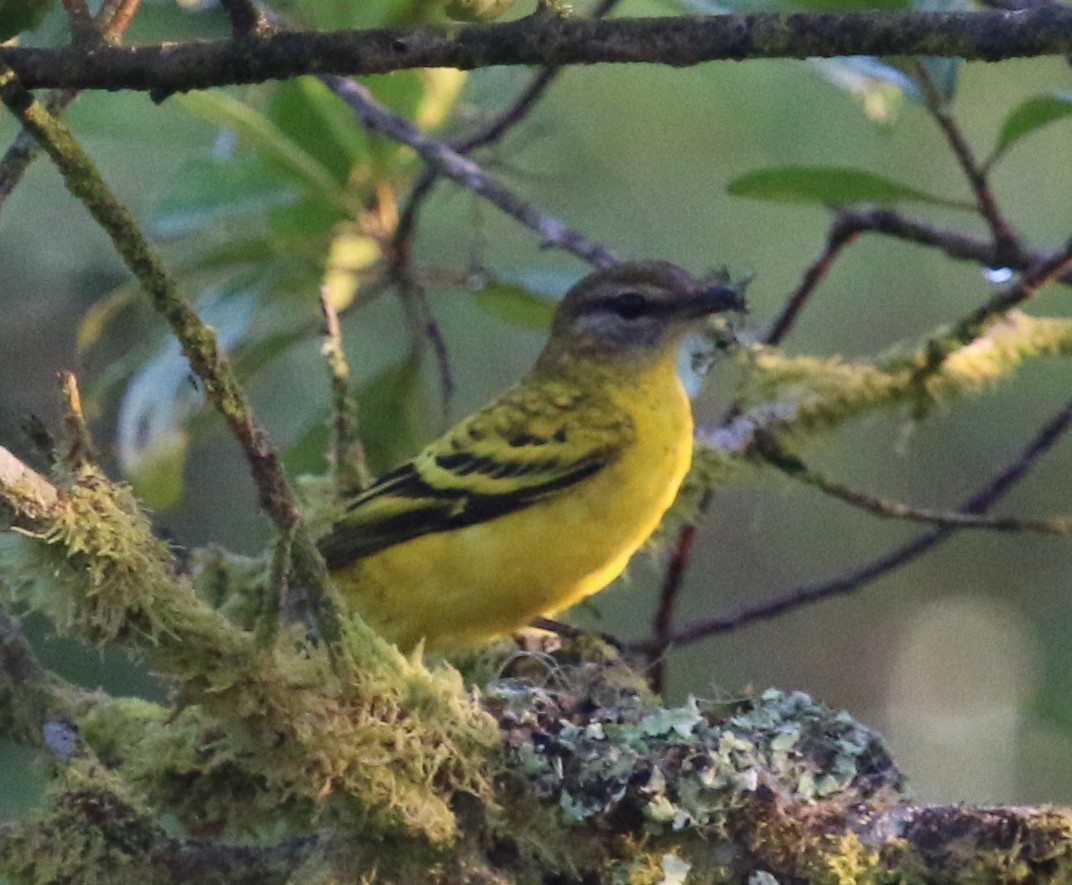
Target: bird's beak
{"x": 714, "y": 299}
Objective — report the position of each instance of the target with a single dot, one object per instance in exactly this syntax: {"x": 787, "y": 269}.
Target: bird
{"x": 541, "y": 498}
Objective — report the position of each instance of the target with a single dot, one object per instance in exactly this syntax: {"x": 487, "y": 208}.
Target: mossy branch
{"x": 261, "y": 734}
{"x": 317, "y": 597}
{"x": 547, "y": 39}
{"x": 799, "y": 397}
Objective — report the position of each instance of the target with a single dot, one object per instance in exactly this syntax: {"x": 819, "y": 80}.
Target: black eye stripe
{"x": 628, "y": 305}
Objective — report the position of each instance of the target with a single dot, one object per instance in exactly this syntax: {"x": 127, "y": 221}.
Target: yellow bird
{"x": 541, "y": 498}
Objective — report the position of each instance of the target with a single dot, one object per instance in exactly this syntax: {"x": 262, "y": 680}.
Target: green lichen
{"x": 687, "y": 767}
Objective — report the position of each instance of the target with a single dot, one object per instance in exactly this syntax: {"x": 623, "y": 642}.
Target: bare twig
{"x": 422, "y": 321}
{"x": 953, "y": 243}
{"x": 842, "y": 232}
{"x": 117, "y": 16}
{"x": 23, "y": 149}
{"x": 673, "y": 581}
{"x": 246, "y": 19}
{"x": 351, "y": 466}
{"x": 426, "y": 181}
{"x": 547, "y": 40}
{"x": 494, "y": 131}
{"x": 978, "y": 503}
{"x": 83, "y": 27}
{"x": 794, "y": 467}
{"x": 552, "y": 232}
{"x": 1005, "y": 239}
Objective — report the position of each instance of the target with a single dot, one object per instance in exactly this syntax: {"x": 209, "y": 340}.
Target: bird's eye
{"x": 629, "y": 305}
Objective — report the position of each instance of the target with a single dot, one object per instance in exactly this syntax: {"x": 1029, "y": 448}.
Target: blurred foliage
{"x": 262, "y": 195}
{"x": 21, "y": 15}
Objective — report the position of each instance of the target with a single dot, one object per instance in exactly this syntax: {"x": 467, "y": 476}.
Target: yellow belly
{"x": 467, "y": 586}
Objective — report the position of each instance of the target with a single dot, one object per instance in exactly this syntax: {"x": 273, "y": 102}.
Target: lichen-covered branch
{"x": 979, "y": 503}
{"x": 546, "y": 39}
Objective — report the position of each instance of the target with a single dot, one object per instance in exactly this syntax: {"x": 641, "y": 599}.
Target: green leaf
{"x": 830, "y": 186}
{"x": 208, "y": 190}
{"x": 392, "y": 413}
{"x": 1031, "y": 115}
{"x": 307, "y": 112}
{"x": 263, "y": 136}
{"x": 515, "y": 305}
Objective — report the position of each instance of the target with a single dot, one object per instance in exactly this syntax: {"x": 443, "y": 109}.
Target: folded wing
{"x": 530, "y": 444}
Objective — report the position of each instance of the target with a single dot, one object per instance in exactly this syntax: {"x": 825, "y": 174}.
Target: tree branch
{"x": 955, "y": 244}
{"x": 979, "y": 503}
{"x": 768, "y": 448}
{"x": 440, "y": 156}
{"x": 545, "y": 39}
{"x": 200, "y": 345}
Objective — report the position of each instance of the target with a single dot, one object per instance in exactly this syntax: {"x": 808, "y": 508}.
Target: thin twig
{"x": 842, "y": 232}
{"x": 24, "y": 149}
{"x": 118, "y": 15}
{"x": 978, "y": 503}
{"x": 424, "y": 329}
{"x": 494, "y": 131}
{"x": 426, "y": 181}
{"x": 1046, "y": 269}
{"x": 553, "y": 233}
{"x": 83, "y": 27}
{"x": 1005, "y": 239}
{"x": 351, "y": 466}
{"x": 200, "y": 345}
{"x": 246, "y": 19}
{"x": 78, "y": 449}
{"x": 673, "y": 581}
{"x": 955, "y": 244}
{"x": 795, "y": 468}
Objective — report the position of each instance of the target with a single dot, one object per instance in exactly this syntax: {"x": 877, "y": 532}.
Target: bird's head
{"x": 636, "y": 308}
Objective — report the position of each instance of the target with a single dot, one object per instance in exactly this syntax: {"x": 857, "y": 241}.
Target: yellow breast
{"x": 466, "y": 586}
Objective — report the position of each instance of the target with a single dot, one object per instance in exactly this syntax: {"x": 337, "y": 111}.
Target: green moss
{"x": 261, "y": 731}
{"x": 90, "y": 831}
